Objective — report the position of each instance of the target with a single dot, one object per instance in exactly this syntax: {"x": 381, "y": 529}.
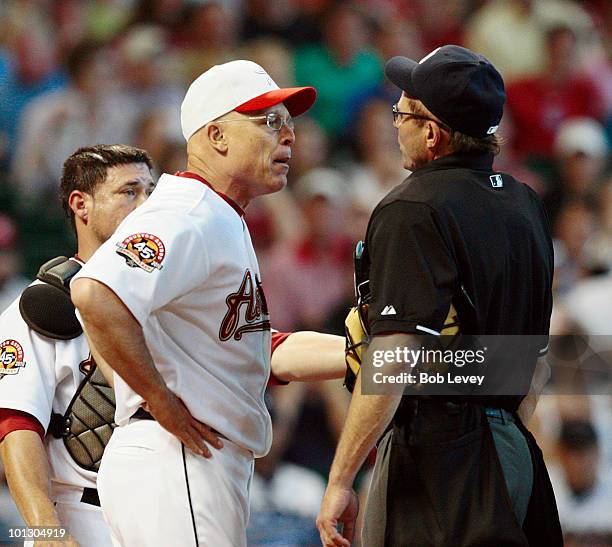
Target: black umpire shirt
{"x": 457, "y": 232}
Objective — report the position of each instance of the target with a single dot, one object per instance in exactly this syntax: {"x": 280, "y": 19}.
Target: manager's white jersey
{"x": 184, "y": 265}
{"x": 39, "y": 375}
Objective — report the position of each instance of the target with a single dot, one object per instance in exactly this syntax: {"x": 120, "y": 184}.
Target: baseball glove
{"x": 357, "y": 338}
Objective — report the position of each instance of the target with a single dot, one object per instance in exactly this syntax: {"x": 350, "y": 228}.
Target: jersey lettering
{"x": 250, "y": 294}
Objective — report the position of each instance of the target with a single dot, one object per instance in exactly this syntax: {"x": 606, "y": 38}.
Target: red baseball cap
{"x": 243, "y": 86}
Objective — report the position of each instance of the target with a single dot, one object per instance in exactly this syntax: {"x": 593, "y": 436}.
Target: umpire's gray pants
{"x": 514, "y": 456}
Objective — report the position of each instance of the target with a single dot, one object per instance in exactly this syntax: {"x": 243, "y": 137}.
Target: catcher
{"x": 56, "y": 411}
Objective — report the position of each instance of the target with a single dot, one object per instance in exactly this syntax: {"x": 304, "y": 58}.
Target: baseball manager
{"x": 174, "y": 304}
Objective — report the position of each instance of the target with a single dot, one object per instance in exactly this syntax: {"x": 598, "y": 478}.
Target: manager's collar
{"x": 224, "y": 197}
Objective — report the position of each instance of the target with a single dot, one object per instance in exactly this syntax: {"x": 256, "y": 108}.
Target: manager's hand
{"x": 172, "y": 414}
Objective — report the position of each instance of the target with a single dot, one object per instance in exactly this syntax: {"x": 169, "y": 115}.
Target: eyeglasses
{"x": 273, "y": 120}
{"x": 397, "y": 118}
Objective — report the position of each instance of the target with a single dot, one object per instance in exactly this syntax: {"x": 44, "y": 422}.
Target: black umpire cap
{"x": 462, "y": 88}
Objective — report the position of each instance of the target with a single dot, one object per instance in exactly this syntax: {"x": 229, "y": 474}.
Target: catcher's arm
{"x": 309, "y": 356}
{"x": 27, "y": 474}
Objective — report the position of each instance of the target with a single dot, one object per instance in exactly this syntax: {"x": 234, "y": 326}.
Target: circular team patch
{"x": 11, "y": 357}
{"x": 142, "y": 250}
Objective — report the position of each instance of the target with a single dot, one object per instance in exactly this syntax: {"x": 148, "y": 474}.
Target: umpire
{"x": 456, "y": 234}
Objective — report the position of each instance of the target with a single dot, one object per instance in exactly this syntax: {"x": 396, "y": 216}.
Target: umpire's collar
{"x": 479, "y": 162}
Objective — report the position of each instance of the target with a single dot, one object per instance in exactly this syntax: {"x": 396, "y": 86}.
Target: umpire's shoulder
{"x": 418, "y": 190}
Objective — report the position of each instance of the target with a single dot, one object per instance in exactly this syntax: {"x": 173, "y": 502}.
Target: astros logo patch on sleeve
{"x": 11, "y": 358}
{"x": 142, "y": 250}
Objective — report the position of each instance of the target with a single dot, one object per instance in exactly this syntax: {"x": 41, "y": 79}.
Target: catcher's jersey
{"x": 39, "y": 375}
{"x": 184, "y": 265}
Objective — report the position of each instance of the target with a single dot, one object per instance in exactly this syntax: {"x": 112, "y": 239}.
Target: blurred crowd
{"x": 81, "y": 72}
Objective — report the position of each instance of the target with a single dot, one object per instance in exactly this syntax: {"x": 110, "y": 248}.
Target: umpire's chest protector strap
{"x": 46, "y": 307}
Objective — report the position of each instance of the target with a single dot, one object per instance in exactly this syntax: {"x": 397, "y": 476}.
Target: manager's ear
{"x": 217, "y": 137}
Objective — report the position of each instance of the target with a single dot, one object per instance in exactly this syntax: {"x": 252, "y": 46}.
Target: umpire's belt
{"x": 499, "y": 415}
{"x": 142, "y": 414}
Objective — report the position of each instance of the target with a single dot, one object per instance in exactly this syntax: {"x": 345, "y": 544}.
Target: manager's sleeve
{"x": 149, "y": 261}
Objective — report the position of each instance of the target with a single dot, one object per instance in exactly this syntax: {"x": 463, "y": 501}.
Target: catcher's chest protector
{"x": 88, "y": 422}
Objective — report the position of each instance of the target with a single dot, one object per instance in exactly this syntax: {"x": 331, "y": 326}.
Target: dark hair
{"x": 87, "y": 168}
{"x": 460, "y": 142}
{"x": 464, "y": 144}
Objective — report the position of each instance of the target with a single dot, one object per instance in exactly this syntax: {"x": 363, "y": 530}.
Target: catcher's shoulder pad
{"x": 46, "y": 307}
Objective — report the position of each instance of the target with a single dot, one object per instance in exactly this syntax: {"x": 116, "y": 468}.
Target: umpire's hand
{"x": 340, "y": 506}
{"x": 172, "y": 414}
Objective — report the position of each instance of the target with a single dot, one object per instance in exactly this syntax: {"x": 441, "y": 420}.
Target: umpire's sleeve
{"x": 412, "y": 272}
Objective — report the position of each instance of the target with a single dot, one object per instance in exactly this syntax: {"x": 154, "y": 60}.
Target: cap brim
{"x": 297, "y": 100}
{"x": 399, "y": 71}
